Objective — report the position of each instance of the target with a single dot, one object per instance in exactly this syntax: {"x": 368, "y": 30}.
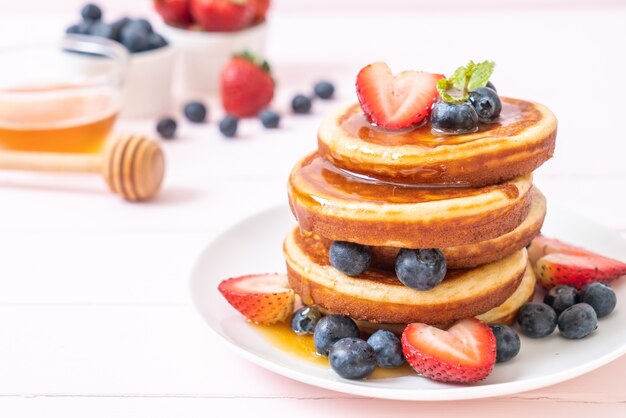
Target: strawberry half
{"x": 395, "y": 102}
{"x": 556, "y": 262}
{"x": 542, "y": 245}
{"x": 465, "y": 353}
{"x": 262, "y": 298}
{"x": 577, "y": 270}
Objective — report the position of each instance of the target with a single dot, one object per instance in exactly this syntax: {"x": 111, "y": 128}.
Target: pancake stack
{"x": 470, "y": 195}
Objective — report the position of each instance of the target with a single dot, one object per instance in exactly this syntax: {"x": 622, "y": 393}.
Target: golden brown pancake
{"x": 519, "y": 142}
{"x": 341, "y": 206}
{"x": 378, "y": 296}
{"x": 475, "y": 254}
{"x": 502, "y": 314}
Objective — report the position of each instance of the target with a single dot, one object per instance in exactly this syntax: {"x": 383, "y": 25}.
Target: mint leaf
{"x": 459, "y": 77}
{"x": 449, "y": 93}
{"x": 480, "y": 75}
{"x": 455, "y": 89}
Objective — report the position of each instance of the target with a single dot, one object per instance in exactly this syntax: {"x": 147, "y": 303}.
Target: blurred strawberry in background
{"x": 223, "y": 15}
{"x": 260, "y": 9}
{"x": 174, "y": 12}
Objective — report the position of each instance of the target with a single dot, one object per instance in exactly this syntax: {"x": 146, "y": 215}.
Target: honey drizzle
{"x": 301, "y": 346}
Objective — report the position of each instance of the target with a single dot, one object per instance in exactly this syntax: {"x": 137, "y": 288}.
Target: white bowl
{"x": 203, "y": 54}
{"x": 148, "y": 86}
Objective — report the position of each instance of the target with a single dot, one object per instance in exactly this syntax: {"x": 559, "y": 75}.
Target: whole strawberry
{"x": 246, "y": 86}
{"x": 223, "y": 15}
{"x": 260, "y": 9}
{"x": 174, "y": 12}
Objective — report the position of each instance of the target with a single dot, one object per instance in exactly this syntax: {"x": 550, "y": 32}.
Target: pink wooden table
{"x": 95, "y": 315}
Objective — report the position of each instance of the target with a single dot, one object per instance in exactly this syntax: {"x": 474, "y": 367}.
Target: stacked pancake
{"x": 469, "y": 195}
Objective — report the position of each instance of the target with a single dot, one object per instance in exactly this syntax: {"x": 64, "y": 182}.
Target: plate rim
{"x": 464, "y": 392}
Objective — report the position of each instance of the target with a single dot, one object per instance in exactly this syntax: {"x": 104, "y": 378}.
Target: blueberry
{"x": 304, "y": 320}
{"x": 143, "y": 24}
{"x": 560, "y": 297}
{"x": 116, "y": 28}
{"x": 134, "y": 38}
{"x": 195, "y": 112}
{"x": 350, "y": 258}
{"x": 301, "y": 104}
{"x": 156, "y": 41}
{"x": 166, "y": 128}
{"x": 331, "y": 329}
{"x": 90, "y": 13}
{"x": 578, "y": 321}
{"x": 421, "y": 269}
{"x": 228, "y": 126}
{"x": 324, "y": 89}
{"x": 491, "y": 86}
{"x": 536, "y": 320}
{"x": 81, "y": 28}
{"x": 102, "y": 30}
{"x": 269, "y": 118}
{"x": 507, "y": 342}
{"x": 454, "y": 118}
{"x": 352, "y": 358}
{"x": 487, "y": 104}
{"x": 387, "y": 347}
{"x": 600, "y": 296}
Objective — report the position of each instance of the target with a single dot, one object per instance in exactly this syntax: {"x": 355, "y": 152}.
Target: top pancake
{"x": 519, "y": 142}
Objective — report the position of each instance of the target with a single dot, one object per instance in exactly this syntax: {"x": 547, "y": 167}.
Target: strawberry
{"x": 577, "y": 270}
{"x": 222, "y": 15}
{"x": 260, "y": 9}
{"x": 246, "y": 86}
{"x": 174, "y": 12}
{"x": 262, "y": 298}
{"x": 556, "y": 262}
{"x": 542, "y": 245}
{"x": 395, "y": 102}
{"x": 465, "y": 353}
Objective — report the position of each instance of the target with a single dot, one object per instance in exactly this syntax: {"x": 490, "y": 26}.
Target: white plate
{"x": 254, "y": 245}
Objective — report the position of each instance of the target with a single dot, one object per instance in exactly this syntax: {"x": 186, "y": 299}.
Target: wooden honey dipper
{"x": 132, "y": 165}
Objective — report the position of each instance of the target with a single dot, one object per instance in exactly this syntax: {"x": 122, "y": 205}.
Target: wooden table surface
{"x": 95, "y": 315}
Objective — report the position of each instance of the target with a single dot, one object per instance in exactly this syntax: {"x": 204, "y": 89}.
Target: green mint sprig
{"x": 455, "y": 89}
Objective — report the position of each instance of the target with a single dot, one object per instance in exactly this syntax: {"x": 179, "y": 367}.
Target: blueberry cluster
{"x": 575, "y": 312}
{"x": 420, "y": 269}
{"x": 482, "y": 106}
{"x": 136, "y": 35}
{"x": 338, "y": 338}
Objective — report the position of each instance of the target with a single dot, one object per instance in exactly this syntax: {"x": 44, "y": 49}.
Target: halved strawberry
{"x": 577, "y": 270}
{"x": 557, "y": 262}
{"x": 262, "y": 298}
{"x": 542, "y": 245}
{"x": 395, "y": 102}
{"x": 465, "y": 353}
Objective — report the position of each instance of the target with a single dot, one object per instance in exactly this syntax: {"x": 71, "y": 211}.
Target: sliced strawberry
{"x": 262, "y": 298}
{"x": 577, "y": 270}
{"x": 542, "y": 245}
{"x": 557, "y": 262}
{"x": 465, "y": 353}
{"x": 395, "y": 102}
